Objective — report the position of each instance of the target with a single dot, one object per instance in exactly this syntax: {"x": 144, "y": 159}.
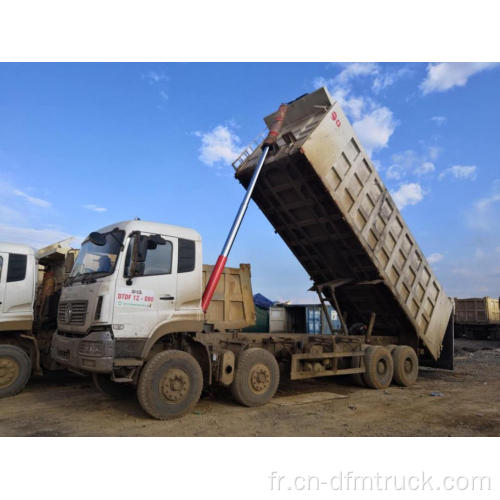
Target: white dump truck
{"x": 136, "y": 307}
{"x": 30, "y": 286}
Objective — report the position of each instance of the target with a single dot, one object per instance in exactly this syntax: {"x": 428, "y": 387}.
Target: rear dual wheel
{"x": 256, "y": 378}
{"x": 405, "y": 365}
{"x": 385, "y": 364}
{"x": 379, "y": 367}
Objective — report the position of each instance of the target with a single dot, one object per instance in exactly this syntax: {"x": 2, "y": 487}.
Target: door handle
{"x": 166, "y": 297}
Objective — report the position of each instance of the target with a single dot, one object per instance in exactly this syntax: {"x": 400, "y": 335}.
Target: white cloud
{"x": 375, "y": 128}
{"x": 373, "y": 122}
{"x": 219, "y": 146}
{"x": 434, "y": 152}
{"x": 439, "y": 120}
{"x": 462, "y": 172}
{"x": 37, "y": 238}
{"x": 406, "y": 163}
{"x": 352, "y": 106}
{"x": 408, "y": 194}
{"x": 485, "y": 203}
{"x": 353, "y": 70}
{"x": 155, "y": 77}
{"x": 95, "y": 208}
{"x": 31, "y": 199}
{"x": 384, "y": 80}
{"x": 444, "y": 76}
{"x": 484, "y": 213}
{"x": 425, "y": 168}
{"x": 434, "y": 258}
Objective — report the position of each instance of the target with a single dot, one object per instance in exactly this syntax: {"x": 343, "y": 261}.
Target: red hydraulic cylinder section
{"x": 274, "y": 131}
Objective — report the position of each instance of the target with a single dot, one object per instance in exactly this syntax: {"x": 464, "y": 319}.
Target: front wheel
{"x": 15, "y": 370}
{"x": 170, "y": 384}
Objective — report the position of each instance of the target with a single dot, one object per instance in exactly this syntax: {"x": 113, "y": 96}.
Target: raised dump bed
{"x": 324, "y": 197}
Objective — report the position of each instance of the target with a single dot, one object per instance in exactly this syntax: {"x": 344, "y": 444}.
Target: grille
{"x": 72, "y": 313}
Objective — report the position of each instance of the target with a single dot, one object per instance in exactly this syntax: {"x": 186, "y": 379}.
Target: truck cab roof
{"x": 154, "y": 227}
{"x": 16, "y": 248}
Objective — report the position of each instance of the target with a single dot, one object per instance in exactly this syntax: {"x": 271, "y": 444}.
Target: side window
{"x": 1, "y": 265}
{"x": 158, "y": 260}
{"x": 186, "y": 259}
{"x": 16, "y": 270}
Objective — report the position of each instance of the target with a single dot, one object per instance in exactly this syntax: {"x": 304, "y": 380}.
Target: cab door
{"x": 3, "y": 276}
{"x": 18, "y": 286}
{"x": 146, "y": 300}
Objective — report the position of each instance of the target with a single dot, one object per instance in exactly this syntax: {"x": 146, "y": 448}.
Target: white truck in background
{"x": 30, "y": 286}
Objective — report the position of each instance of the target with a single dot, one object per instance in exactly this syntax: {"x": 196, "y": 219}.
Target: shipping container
{"x": 303, "y": 318}
{"x": 261, "y": 321}
{"x": 325, "y": 198}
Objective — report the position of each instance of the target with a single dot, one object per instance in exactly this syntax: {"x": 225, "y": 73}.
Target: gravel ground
{"x": 465, "y": 402}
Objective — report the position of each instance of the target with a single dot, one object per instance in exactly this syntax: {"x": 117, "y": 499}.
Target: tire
{"x": 15, "y": 370}
{"x": 116, "y": 390}
{"x": 170, "y": 384}
{"x": 405, "y": 365}
{"x": 357, "y": 378}
{"x": 379, "y": 367}
{"x": 256, "y": 378}
{"x": 391, "y": 348}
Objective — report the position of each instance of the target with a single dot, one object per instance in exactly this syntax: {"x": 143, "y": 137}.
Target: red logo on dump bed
{"x": 335, "y": 119}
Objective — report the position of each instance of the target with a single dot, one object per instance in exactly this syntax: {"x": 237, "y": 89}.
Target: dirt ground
{"x": 465, "y": 402}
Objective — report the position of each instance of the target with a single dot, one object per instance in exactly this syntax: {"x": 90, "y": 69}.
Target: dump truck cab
{"x": 30, "y": 283}
{"x": 132, "y": 282}
{"x": 17, "y": 286}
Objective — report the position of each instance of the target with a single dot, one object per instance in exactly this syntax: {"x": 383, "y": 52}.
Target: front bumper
{"x": 94, "y": 352}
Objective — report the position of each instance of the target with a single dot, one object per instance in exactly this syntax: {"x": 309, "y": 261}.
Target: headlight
{"x": 91, "y": 348}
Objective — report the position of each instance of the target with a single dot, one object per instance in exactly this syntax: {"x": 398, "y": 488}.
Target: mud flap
{"x": 445, "y": 360}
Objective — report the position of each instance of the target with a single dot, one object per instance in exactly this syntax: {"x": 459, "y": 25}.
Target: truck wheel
{"x": 379, "y": 367}
{"x": 170, "y": 384}
{"x": 117, "y": 390}
{"x": 256, "y": 378}
{"x": 405, "y": 365}
{"x": 15, "y": 370}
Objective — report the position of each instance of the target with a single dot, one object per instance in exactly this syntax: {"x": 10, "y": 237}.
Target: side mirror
{"x": 97, "y": 239}
{"x": 138, "y": 257}
{"x": 157, "y": 239}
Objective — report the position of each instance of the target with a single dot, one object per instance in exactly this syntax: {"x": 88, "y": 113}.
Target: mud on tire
{"x": 256, "y": 378}
{"x": 170, "y": 384}
{"x": 15, "y": 370}
{"x": 379, "y": 367}
{"x": 405, "y": 365}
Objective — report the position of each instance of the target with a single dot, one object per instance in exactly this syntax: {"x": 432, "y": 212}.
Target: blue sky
{"x": 85, "y": 145}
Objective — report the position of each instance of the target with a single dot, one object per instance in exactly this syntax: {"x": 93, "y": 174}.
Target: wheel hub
{"x": 381, "y": 367}
{"x": 9, "y": 371}
{"x": 260, "y": 378}
{"x": 408, "y": 365}
{"x": 175, "y": 385}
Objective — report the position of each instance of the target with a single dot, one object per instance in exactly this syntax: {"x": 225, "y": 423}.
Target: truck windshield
{"x": 93, "y": 259}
